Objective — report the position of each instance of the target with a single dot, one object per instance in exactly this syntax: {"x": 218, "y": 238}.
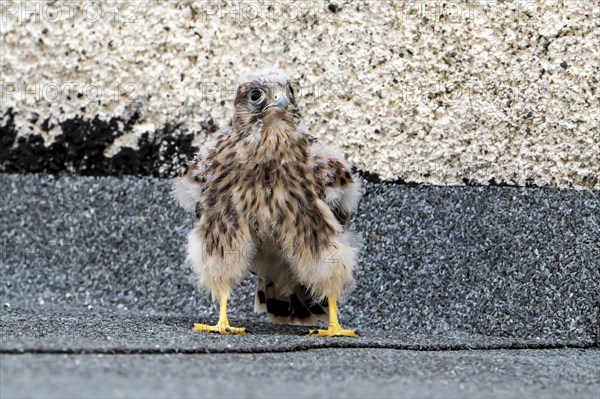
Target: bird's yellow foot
{"x": 220, "y": 328}
{"x": 334, "y": 330}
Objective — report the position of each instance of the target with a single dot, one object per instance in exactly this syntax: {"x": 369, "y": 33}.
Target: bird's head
{"x": 266, "y": 94}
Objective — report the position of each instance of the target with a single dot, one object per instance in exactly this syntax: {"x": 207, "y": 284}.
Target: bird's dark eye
{"x": 256, "y": 95}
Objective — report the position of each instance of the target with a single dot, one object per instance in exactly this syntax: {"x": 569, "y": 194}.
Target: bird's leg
{"x": 222, "y": 326}
{"x": 334, "y": 329}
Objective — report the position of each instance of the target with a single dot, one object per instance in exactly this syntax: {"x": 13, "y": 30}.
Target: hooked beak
{"x": 280, "y": 103}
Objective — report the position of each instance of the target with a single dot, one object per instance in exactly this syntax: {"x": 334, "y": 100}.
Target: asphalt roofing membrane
{"x": 491, "y": 282}
{"x": 504, "y": 262}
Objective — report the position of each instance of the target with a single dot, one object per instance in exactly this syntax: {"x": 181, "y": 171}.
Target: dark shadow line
{"x": 370, "y": 177}
{"x": 296, "y": 348}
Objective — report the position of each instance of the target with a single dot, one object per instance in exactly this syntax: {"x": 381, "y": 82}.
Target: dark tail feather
{"x": 297, "y": 308}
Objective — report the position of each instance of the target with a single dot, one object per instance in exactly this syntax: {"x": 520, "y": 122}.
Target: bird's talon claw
{"x": 219, "y": 329}
{"x": 333, "y": 332}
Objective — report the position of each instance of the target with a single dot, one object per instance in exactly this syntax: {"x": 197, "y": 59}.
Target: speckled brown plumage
{"x": 271, "y": 199}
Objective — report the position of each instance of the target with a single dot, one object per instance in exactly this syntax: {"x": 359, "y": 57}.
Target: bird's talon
{"x": 220, "y": 328}
{"x": 333, "y": 332}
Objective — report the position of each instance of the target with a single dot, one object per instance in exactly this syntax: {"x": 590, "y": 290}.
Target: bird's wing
{"x": 341, "y": 188}
{"x": 187, "y": 189}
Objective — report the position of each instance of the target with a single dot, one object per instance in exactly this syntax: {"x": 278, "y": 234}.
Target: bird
{"x": 271, "y": 199}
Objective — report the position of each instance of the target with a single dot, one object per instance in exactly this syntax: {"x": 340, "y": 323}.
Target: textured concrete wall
{"x": 425, "y": 91}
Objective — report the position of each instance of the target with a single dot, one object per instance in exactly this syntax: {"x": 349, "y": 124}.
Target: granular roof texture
{"x": 494, "y": 261}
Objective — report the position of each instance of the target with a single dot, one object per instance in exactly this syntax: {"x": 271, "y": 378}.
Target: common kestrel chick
{"x": 272, "y": 200}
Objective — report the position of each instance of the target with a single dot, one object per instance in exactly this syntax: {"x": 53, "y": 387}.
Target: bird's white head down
{"x": 265, "y": 94}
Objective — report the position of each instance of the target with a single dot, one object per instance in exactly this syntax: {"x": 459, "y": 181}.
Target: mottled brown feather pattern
{"x": 333, "y": 174}
{"x": 268, "y": 192}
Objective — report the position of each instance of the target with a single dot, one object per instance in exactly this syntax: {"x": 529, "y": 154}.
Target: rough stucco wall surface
{"x": 424, "y": 91}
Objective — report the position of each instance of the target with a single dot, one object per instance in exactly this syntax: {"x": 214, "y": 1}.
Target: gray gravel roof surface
{"x": 326, "y": 373}
{"x": 495, "y": 261}
{"x": 461, "y": 292}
